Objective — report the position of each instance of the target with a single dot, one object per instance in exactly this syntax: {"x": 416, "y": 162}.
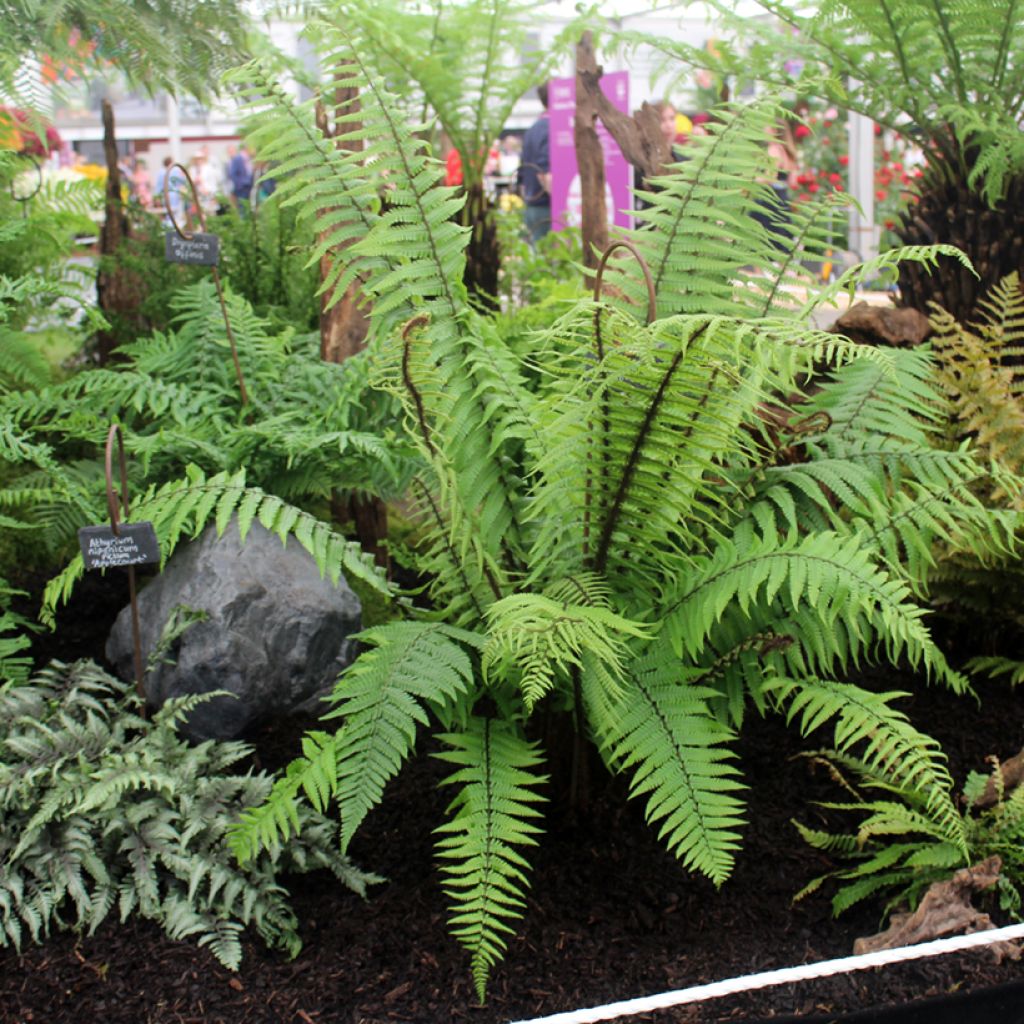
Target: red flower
{"x": 897, "y": 166}
{"x": 813, "y": 187}
{"x": 801, "y": 131}
{"x": 826, "y": 141}
{"x": 839, "y": 188}
{"x": 905, "y": 178}
{"x": 803, "y": 197}
{"x": 881, "y": 194}
{"x": 836, "y": 179}
{"x": 844, "y": 161}
{"x": 878, "y": 129}
{"x": 890, "y": 224}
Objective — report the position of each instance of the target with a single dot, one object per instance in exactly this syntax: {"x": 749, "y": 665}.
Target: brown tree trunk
{"x": 590, "y": 160}
{"x": 483, "y": 257}
{"x": 118, "y": 291}
{"x": 344, "y": 326}
{"x": 345, "y": 323}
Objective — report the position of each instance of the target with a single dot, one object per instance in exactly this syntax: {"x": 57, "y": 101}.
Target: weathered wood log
{"x": 590, "y": 161}
{"x": 945, "y": 909}
{"x": 883, "y": 325}
{"x": 639, "y": 137}
{"x": 1012, "y": 773}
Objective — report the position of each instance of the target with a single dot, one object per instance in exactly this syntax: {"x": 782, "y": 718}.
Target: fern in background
{"x": 945, "y": 72}
{"x": 104, "y": 811}
{"x": 979, "y": 369}
{"x": 177, "y": 398}
{"x": 176, "y": 45}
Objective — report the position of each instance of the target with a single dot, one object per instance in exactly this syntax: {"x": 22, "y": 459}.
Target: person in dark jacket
{"x": 535, "y": 173}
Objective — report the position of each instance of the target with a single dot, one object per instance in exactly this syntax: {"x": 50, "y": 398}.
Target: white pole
{"x": 174, "y": 127}
{"x": 863, "y": 232}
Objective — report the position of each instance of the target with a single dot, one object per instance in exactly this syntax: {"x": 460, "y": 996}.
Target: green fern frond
{"x": 546, "y": 635}
{"x": 188, "y": 506}
{"x": 857, "y": 276}
{"x": 825, "y": 576}
{"x": 995, "y": 667}
{"x": 698, "y": 233}
{"x": 882, "y": 738}
{"x": 493, "y": 816}
{"x": 677, "y": 754}
{"x": 382, "y": 698}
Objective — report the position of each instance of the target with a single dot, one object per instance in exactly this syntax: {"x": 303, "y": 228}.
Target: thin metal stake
{"x": 115, "y": 526}
{"x": 187, "y": 236}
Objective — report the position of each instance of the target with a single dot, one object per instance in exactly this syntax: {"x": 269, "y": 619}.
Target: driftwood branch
{"x": 945, "y": 909}
{"x": 590, "y": 162}
{"x": 1012, "y": 772}
{"x": 639, "y": 137}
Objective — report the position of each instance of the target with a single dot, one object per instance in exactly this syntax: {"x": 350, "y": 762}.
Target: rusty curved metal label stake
{"x": 621, "y": 243}
{"x": 115, "y": 525}
{"x": 188, "y": 236}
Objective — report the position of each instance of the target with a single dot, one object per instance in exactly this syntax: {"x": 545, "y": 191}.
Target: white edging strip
{"x": 783, "y": 976}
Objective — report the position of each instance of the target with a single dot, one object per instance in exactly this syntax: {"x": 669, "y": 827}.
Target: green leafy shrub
{"x": 103, "y": 809}
{"x": 673, "y": 524}
{"x": 178, "y": 400}
{"x": 264, "y": 258}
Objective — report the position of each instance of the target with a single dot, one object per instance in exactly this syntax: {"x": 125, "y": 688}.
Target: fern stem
{"x": 901, "y": 56}
{"x": 421, "y": 415}
{"x": 479, "y": 159}
{"x": 601, "y": 557}
{"x": 1000, "y": 63}
{"x": 456, "y": 562}
{"x": 952, "y": 53}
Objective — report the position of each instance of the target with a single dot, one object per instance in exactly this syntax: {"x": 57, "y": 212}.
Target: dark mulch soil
{"x": 611, "y": 916}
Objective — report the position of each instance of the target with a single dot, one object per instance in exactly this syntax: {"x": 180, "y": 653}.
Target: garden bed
{"x": 611, "y": 916}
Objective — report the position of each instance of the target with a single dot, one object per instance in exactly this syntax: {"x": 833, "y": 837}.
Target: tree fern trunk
{"x": 118, "y": 291}
{"x": 483, "y": 257}
{"x": 955, "y": 214}
{"x": 343, "y": 324}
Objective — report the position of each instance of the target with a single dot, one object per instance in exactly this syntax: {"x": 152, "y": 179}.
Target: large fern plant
{"x": 946, "y": 71}
{"x": 102, "y": 811}
{"x": 979, "y": 369}
{"x": 647, "y": 529}
{"x": 177, "y": 397}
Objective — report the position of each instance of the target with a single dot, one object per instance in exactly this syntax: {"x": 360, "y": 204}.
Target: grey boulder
{"x": 275, "y": 637}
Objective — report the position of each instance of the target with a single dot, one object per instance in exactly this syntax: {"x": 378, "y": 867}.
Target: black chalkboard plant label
{"x": 200, "y": 249}
{"x": 133, "y": 544}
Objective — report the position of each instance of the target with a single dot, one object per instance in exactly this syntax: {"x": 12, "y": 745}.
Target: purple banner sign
{"x": 566, "y": 200}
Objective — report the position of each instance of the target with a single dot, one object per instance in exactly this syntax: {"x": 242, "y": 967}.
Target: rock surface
{"x": 276, "y": 635}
